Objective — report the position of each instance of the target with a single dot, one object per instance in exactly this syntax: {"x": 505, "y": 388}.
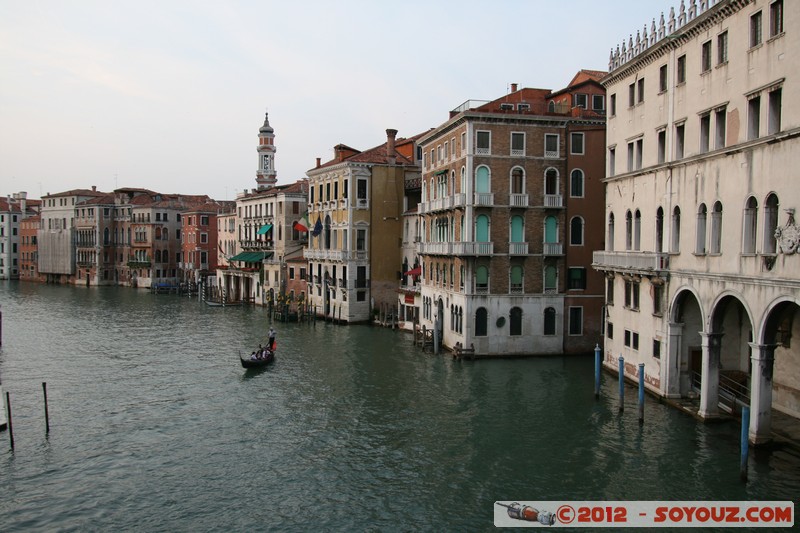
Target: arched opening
{"x": 481, "y": 321}
{"x": 659, "y": 230}
{"x": 610, "y": 238}
{"x": 685, "y": 358}
{"x": 482, "y": 179}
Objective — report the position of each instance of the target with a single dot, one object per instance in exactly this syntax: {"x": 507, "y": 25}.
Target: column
{"x": 709, "y": 386}
{"x": 671, "y": 368}
{"x": 763, "y": 358}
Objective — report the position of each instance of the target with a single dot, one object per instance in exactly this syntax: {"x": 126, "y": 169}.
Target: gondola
{"x": 248, "y": 362}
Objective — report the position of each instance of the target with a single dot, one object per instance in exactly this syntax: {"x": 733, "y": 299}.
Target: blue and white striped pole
{"x": 597, "y": 371}
{"x": 621, "y": 383}
{"x": 641, "y": 393}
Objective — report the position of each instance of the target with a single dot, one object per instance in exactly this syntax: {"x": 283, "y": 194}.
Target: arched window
{"x": 106, "y": 236}
{"x": 576, "y": 231}
{"x": 770, "y": 224}
{"x": 660, "y": 230}
{"x": 576, "y": 183}
{"x": 551, "y": 106}
{"x": 628, "y": 230}
{"x": 750, "y": 226}
{"x": 716, "y": 228}
{"x": 482, "y": 228}
{"x": 517, "y": 229}
{"x": 158, "y": 256}
{"x": 675, "y": 243}
{"x": 482, "y": 280}
{"x": 700, "y": 246}
{"x": 424, "y": 192}
{"x": 550, "y": 279}
{"x": 637, "y": 230}
{"x": 327, "y": 232}
{"x": 516, "y": 280}
{"x": 610, "y": 239}
{"x": 517, "y": 181}
{"x": 482, "y": 179}
{"x": 550, "y": 230}
{"x": 433, "y": 190}
{"x": 549, "y": 321}
{"x": 515, "y": 326}
{"x": 463, "y": 179}
{"x": 551, "y": 181}
{"x": 481, "y": 320}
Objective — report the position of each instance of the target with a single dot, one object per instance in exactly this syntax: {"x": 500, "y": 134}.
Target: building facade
{"x": 701, "y": 247}
{"x": 355, "y": 205}
{"x": 507, "y": 219}
{"x": 15, "y": 212}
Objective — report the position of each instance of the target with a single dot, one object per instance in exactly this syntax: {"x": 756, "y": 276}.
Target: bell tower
{"x": 266, "y": 175}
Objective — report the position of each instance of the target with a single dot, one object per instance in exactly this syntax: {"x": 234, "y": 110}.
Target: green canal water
{"x": 155, "y": 426}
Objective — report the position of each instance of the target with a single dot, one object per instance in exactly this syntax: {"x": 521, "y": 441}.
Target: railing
{"x": 631, "y": 260}
{"x": 483, "y": 151}
{"x": 732, "y": 393}
{"x": 484, "y": 198}
{"x": 518, "y": 200}
{"x": 553, "y": 200}
{"x": 552, "y": 248}
{"x": 473, "y": 248}
{"x": 518, "y": 248}
{"x": 436, "y": 248}
{"x": 258, "y": 245}
{"x": 517, "y": 152}
{"x": 551, "y": 154}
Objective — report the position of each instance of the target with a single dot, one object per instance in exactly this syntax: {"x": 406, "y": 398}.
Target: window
{"x": 515, "y": 326}
{"x": 516, "y": 279}
{"x": 776, "y": 18}
{"x": 576, "y": 278}
{"x": 631, "y": 94}
{"x": 580, "y": 100}
{"x": 627, "y": 340}
{"x": 639, "y": 153}
{"x": 598, "y": 102}
{"x": 720, "y": 125}
{"x": 576, "y": 143}
{"x": 204, "y": 238}
{"x": 576, "y": 320}
{"x": 774, "y": 118}
{"x": 549, "y": 321}
{"x": 610, "y": 239}
{"x": 716, "y": 229}
{"x": 679, "y": 138}
{"x": 483, "y": 143}
{"x": 628, "y": 230}
{"x": 755, "y": 29}
{"x": 753, "y": 117}
{"x": 658, "y": 299}
{"x": 610, "y": 291}
{"x": 700, "y": 246}
{"x": 517, "y": 143}
{"x": 659, "y": 230}
{"x": 722, "y": 48}
{"x": 361, "y": 277}
{"x": 656, "y": 349}
{"x": 662, "y": 79}
{"x": 576, "y": 231}
{"x": 770, "y": 224}
{"x": 523, "y": 107}
{"x": 705, "y": 132}
{"x": 609, "y": 330}
{"x": 640, "y": 91}
{"x": 612, "y": 161}
{"x": 637, "y": 230}
{"x": 576, "y": 183}
{"x": 550, "y": 279}
{"x": 517, "y": 181}
{"x": 750, "y": 226}
{"x": 481, "y": 321}
{"x": 631, "y": 154}
{"x": 705, "y": 57}
{"x": 613, "y": 104}
{"x": 662, "y": 145}
{"x": 482, "y": 280}
{"x": 634, "y": 340}
{"x": 551, "y": 145}
{"x": 675, "y": 245}
{"x": 632, "y": 295}
{"x": 681, "y": 68}
{"x": 361, "y": 239}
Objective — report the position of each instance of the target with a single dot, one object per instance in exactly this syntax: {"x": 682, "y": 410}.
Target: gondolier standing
{"x": 272, "y": 335}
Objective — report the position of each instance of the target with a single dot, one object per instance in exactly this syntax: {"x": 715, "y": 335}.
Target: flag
{"x": 317, "y": 227}
{"x": 302, "y": 224}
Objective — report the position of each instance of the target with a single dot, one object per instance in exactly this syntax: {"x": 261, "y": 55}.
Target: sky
{"x": 169, "y": 95}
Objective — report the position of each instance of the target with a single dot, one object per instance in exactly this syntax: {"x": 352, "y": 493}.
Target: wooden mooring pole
{"x": 10, "y": 426}
{"x": 46, "y": 413}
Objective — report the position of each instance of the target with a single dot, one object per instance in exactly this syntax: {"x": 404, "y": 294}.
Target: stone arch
{"x": 682, "y": 372}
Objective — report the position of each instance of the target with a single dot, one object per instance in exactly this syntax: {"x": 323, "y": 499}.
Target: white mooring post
{"x": 3, "y": 419}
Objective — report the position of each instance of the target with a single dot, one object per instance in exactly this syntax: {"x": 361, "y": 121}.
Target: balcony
{"x": 518, "y": 248}
{"x": 484, "y": 198}
{"x": 139, "y": 263}
{"x": 553, "y": 200}
{"x": 631, "y": 261}
{"x": 518, "y": 200}
{"x": 552, "y": 248}
{"x": 473, "y": 248}
{"x": 436, "y": 248}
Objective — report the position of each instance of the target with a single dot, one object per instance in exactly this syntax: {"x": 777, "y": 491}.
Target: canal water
{"x": 155, "y": 426}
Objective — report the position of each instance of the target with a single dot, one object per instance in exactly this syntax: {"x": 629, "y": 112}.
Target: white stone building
{"x": 701, "y": 257}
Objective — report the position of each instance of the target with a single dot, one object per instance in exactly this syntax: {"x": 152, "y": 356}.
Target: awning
{"x": 439, "y": 173}
{"x": 263, "y": 229}
{"x": 251, "y": 257}
{"x": 414, "y": 272}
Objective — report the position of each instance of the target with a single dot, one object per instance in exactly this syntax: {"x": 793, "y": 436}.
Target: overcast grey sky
{"x": 169, "y": 94}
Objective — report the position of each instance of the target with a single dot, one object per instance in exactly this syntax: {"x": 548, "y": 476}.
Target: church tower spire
{"x": 266, "y": 175}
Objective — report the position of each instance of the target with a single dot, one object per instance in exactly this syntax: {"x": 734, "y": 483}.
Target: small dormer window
{"x": 523, "y": 107}
{"x": 506, "y": 107}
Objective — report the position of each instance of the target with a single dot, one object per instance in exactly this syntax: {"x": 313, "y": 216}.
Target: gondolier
{"x": 272, "y": 334}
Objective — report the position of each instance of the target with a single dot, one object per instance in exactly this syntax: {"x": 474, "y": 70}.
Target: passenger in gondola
{"x": 253, "y": 356}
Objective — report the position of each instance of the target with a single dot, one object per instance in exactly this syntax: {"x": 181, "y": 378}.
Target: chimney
{"x": 391, "y": 154}
{"x": 513, "y": 87}
{"x": 339, "y": 152}
{"x": 94, "y": 188}
{"x": 318, "y": 163}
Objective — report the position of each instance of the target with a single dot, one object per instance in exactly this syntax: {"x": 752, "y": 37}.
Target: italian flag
{"x": 302, "y": 224}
